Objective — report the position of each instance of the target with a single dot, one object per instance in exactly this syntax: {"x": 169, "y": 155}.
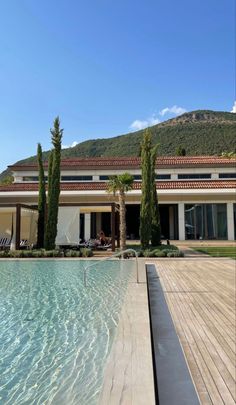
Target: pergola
{"x": 18, "y": 207}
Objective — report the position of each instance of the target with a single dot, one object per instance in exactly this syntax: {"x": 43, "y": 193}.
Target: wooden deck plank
{"x": 201, "y": 298}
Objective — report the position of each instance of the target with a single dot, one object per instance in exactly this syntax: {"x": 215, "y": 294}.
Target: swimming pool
{"x": 55, "y": 333}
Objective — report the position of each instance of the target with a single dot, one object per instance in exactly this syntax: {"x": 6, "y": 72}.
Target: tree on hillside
{"x": 180, "y": 151}
{"x": 121, "y": 184}
{"x": 145, "y": 209}
{"x": 155, "y": 214}
{"x": 229, "y": 155}
{"x": 54, "y": 173}
{"x": 41, "y": 200}
{"x": 7, "y": 180}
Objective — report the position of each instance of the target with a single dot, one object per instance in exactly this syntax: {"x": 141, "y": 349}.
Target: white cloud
{"x": 172, "y": 110}
{"x": 234, "y": 108}
{"x": 138, "y": 124}
{"x": 69, "y": 146}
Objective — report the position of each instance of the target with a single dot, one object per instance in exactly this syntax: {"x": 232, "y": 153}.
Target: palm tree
{"x": 121, "y": 184}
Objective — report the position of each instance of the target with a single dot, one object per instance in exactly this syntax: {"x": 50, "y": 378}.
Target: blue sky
{"x": 108, "y": 67}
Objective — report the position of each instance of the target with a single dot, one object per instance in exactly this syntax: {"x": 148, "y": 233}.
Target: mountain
{"x": 201, "y": 132}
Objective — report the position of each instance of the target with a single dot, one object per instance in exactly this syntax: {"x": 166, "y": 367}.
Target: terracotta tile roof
{"x": 94, "y": 186}
{"x": 134, "y": 162}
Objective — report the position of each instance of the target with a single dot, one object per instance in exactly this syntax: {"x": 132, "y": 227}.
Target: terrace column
{"x": 230, "y": 221}
{"x": 87, "y": 226}
{"x": 113, "y": 225}
{"x": 98, "y": 222}
{"x": 18, "y": 225}
{"x": 181, "y": 221}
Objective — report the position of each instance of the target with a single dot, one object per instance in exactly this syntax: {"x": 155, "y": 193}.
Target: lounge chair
{"x": 24, "y": 244}
{"x": 104, "y": 247}
{"x": 5, "y": 243}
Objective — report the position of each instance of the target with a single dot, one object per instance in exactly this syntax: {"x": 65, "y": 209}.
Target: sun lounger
{"x": 5, "y": 243}
{"x": 24, "y": 244}
{"x": 104, "y": 247}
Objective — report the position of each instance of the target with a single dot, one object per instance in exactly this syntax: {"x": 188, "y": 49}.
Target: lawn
{"x": 218, "y": 251}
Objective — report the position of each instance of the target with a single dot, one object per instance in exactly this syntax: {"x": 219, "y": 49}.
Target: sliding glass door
{"x": 205, "y": 221}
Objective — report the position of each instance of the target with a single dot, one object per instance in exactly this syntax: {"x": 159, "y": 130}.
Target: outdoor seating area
{"x": 5, "y": 243}
{"x": 95, "y": 244}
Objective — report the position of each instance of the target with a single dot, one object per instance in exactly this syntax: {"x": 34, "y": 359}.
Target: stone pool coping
{"x": 128, "y": 377}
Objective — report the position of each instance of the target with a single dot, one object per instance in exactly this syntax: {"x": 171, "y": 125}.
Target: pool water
{"x": 55, "y": 333}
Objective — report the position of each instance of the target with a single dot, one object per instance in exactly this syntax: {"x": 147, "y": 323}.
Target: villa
{"x": 196, "y": 199}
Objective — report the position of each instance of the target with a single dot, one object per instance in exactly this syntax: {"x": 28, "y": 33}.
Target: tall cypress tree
{"x": 50, "y": 165}
{"x": 145, "y": 209}
{"x": 155, "y": 221}
{"x": 54, "y": 173}
{"x": 41, "y": 200}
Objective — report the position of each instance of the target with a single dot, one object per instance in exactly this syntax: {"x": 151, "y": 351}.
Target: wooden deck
{"x": 201, "y": 297}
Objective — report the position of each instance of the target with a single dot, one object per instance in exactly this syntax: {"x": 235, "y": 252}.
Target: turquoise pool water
{"x": 55, "y": 334}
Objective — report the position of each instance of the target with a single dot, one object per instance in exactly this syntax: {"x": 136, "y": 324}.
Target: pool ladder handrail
{"x": 121, "y": 253}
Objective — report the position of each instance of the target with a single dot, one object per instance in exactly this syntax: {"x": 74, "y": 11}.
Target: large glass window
{"x": 137, "y": 177}
{"x": 162, "y": 176}
{"x": 227, "y": 175}
{"x": 192, "y": 176}
{"x": 235, "y": 221}
{"x": 205, "y": 221}
{"x": 30, "y": 178}
{"x": 76, "y": 178}
{"x": 104, "y": 178}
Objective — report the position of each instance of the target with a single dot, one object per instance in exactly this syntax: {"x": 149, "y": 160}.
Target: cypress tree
{"x": 50, "y": 164}
{"x": 155, "y": 215}
{"x": 41, "y": 200}
{"x": 54, "y": 174}
{"x": 145, "y": 208}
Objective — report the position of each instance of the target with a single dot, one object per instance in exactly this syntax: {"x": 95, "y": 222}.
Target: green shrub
{"x": 86, "y": 252}
{"x": 15, "y": 253}
{"x": 147, "y": 253}
{"x": 43, "y": 253}
{"x": 159, "y": 253}
{"x": 178, "y": 253}
{"x": 36, "y": 253}
{"x": 57, "y": 253}
{"x": 4, "y": 253}
{"x": 72, "y": 253}
{"x": 48, "y": 253}
{"x": 140, "y": 253}
{"x": 165, "y": 247}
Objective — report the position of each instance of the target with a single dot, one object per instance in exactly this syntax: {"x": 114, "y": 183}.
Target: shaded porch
{"x": 19, "y": 221}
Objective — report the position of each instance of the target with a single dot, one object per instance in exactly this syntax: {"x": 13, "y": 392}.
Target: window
{"x": 135, "y": 176}
{"x": 30, "y": 178}
{"x": 205, "y": 221}
{"x": 190, "y": 176}
{"x": 234, "y": 221}
{"x": 163, "y": 176}
{"x": 104, "y": 178}
{"x": 76, "y": 178}
{"x": 227, "y": 175}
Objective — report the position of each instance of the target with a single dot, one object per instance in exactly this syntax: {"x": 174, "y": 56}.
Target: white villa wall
{"x": 5, "y": 224}
{"x": 68, "y": 226}
{"x": 214, "y": 171}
